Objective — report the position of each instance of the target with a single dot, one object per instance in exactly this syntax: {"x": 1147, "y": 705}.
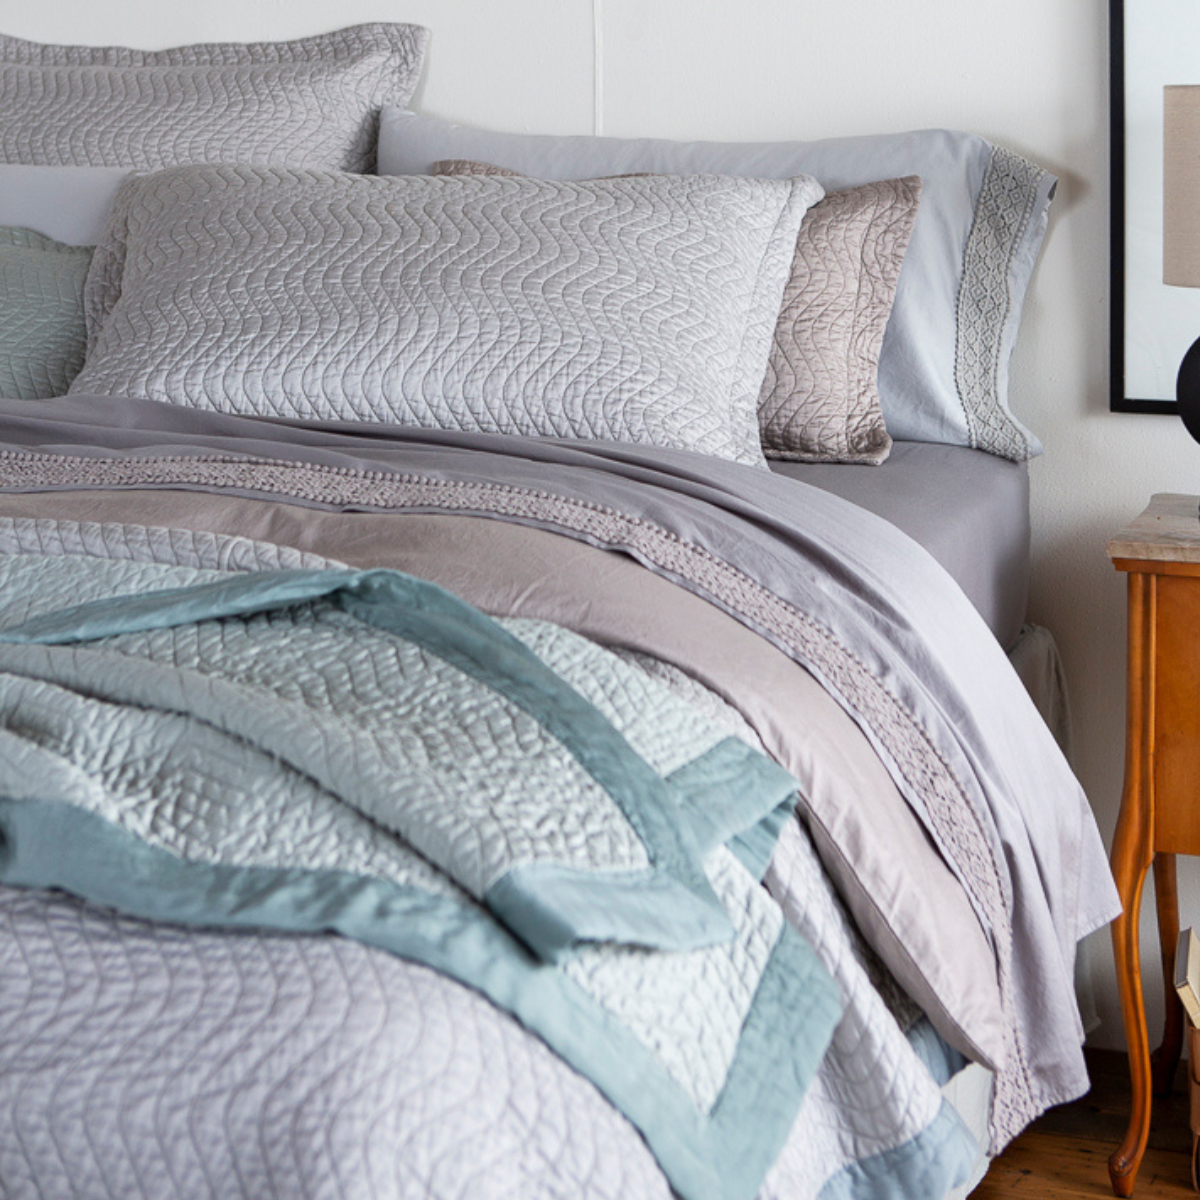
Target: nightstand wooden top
{"x": 1168, "y": 531}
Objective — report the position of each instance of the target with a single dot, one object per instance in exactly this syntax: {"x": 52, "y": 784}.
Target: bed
{"x": 437, "y": 755}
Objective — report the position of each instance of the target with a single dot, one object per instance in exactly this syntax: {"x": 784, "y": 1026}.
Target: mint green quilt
{"x": 505, "y": 801}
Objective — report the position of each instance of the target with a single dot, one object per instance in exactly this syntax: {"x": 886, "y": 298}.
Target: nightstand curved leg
{"x": 1124, "y": 1162}
{"x": 1165, "y": 1059}
{"x": 1132, "y": 854}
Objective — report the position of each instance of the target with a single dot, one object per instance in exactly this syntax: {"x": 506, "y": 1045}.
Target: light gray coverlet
{"x": 255, "y": 1065}
{"x": 638, "y": 310}
{"x": 246, "y": 750}
{"x": 311, "y": 101}
{"x": 910, "y": 660}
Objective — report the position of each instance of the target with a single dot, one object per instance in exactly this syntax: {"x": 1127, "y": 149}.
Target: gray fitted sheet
{"x": 969, "y": 509}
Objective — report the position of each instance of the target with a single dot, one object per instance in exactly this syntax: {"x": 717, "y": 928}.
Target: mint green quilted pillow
{"x": 42, "y": 333}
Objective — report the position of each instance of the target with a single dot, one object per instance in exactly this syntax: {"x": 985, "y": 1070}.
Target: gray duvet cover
{"x": 832, "y": 587}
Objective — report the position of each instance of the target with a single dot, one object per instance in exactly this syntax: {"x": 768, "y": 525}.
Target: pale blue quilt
{"x": 363, "y": 752}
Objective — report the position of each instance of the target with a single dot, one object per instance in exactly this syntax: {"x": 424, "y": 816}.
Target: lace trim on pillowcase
{"x": 1006, "y": 205}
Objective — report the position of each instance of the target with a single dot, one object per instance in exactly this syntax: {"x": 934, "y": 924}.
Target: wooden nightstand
{"x": 1160, "y": 807}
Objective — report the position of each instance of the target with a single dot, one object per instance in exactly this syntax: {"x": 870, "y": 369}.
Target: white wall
{"x": 1026, "y": 72}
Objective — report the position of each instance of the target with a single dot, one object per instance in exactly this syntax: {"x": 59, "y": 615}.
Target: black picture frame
{"x": 1118, "y": 401}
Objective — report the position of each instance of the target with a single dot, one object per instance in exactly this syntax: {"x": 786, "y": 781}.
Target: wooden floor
{"x": 1064, "y": 1156}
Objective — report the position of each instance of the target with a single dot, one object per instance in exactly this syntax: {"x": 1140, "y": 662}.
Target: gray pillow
{"x": 633, "y": 310}
{"x": 943, "y": 370}
{"x": 820, "y": 400}
{"x": 314, "y": 101}
{"x": 69, "y": 204}
{"x": 41, "y": 314}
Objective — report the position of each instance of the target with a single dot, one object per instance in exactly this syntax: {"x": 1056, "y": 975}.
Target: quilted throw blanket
{"x": 363, "y": 752}
{"x": 86, "y": 497}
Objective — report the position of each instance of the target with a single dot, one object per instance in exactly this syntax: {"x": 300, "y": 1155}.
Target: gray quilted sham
{"x": 630, "y": 310}
{"x": 314, "y": 101}
{"x": 42, "y": 335}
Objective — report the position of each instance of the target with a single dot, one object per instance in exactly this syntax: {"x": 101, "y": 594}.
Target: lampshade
{"x": 1181, "y": 185}
{"x": 1181, "y": 225}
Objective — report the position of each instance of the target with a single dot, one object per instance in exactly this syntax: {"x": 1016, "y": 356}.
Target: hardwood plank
{"x": 1064, "y": 1156}
{"x": 1102, "y": 1114}
{"x": 1052, "y": 1167}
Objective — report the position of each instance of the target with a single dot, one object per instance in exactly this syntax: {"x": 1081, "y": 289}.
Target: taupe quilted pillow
{"x": 311, "y": 102}
{"x": 820, "y": 397}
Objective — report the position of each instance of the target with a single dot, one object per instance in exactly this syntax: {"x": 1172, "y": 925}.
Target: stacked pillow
{"x": 636, "y": 310}
{"x": 818, "y": 401}
{"x": 42, "y": 334}
{"x": 804, "y": 386}
{"x": 943, "y": 367}
{"x": 895, "y": 311}
{"x": 310, "y": 102}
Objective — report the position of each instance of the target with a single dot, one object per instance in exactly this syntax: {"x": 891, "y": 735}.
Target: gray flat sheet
{"x": 969, "y": 509}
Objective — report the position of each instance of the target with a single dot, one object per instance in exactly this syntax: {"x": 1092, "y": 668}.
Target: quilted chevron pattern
{"x": 635, "y": 310}
{"x": 621, "y": 691}
{"x": 411, "y": 712}
{"x": 378, "y": 710}
{"x": 150, "y": 1061}
{"x": 107, "y": 727}
{"x": 820, "y": 396}
{"x": 895, "y": 1098}
{"x": 313, "y": 101}
{"x": 233, "y": 1065}
{"x": 42, "y": 334}
{"x": 182, "y": 790}
{"x": 252, "y": 1066}
{"x": 680, "y": 1009}
{"x": 183, "y": 1063}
